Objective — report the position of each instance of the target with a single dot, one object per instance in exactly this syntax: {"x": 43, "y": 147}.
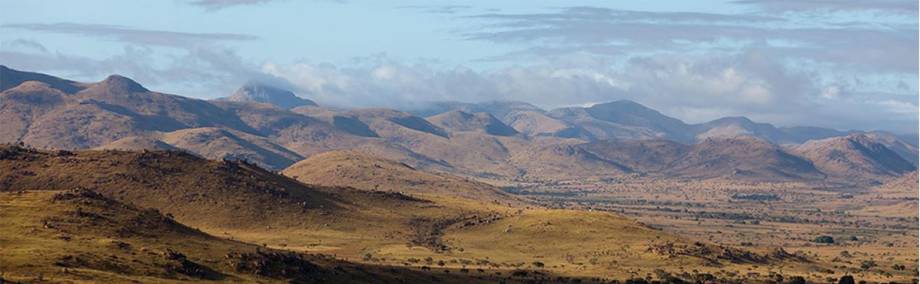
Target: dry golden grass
{"x": 78, "y": 236}
{"x": 93, "y": 239}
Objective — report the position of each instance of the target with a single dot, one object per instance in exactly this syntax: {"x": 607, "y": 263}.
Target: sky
{"x": 844, "y": 64}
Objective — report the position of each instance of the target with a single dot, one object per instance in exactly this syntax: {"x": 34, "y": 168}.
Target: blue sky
{"x": 845, "y": 64}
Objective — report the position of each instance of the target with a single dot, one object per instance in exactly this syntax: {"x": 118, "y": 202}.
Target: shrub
{"x": 824, "y": 239}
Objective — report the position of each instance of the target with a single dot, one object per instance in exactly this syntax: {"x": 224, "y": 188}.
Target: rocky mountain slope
{"x": 497, "y": 140}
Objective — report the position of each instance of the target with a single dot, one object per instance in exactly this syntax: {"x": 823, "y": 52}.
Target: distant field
{"x": 875, "y": 234}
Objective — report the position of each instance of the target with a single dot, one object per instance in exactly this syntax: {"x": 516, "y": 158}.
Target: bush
{"x": 824, "y": 240}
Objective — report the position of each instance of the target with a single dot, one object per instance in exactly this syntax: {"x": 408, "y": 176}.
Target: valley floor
{"x": 875, "y": 233}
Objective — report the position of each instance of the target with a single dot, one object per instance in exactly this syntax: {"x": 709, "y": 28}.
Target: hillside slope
{"x": 79, "y": 234}
{"x": 76, "y": 236}
{"x": 198, "y": 192}
{"x": 742, "y": 158}
{"x": 647, "y": 156}
{"x": 362, "y": 171}
{"x": 854, "y": 157}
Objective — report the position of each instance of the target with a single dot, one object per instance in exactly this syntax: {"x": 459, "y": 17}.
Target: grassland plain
{"x": 874, "y": 228}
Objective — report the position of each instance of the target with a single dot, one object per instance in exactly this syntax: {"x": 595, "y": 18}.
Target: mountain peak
{"x": 263, "y": 93}
{"x": 122, "y": 84}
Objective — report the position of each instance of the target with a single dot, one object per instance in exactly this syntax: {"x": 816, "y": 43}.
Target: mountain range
{"x": 497, "y": 140}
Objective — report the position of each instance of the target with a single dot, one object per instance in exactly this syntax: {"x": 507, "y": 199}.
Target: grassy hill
{"x": 366, "y": 172}
{"x": 79, "y": 236}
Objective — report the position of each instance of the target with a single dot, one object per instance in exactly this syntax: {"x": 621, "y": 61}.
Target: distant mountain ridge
{"x": 491, "y": 140}
{"x": 627, "y": 120}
